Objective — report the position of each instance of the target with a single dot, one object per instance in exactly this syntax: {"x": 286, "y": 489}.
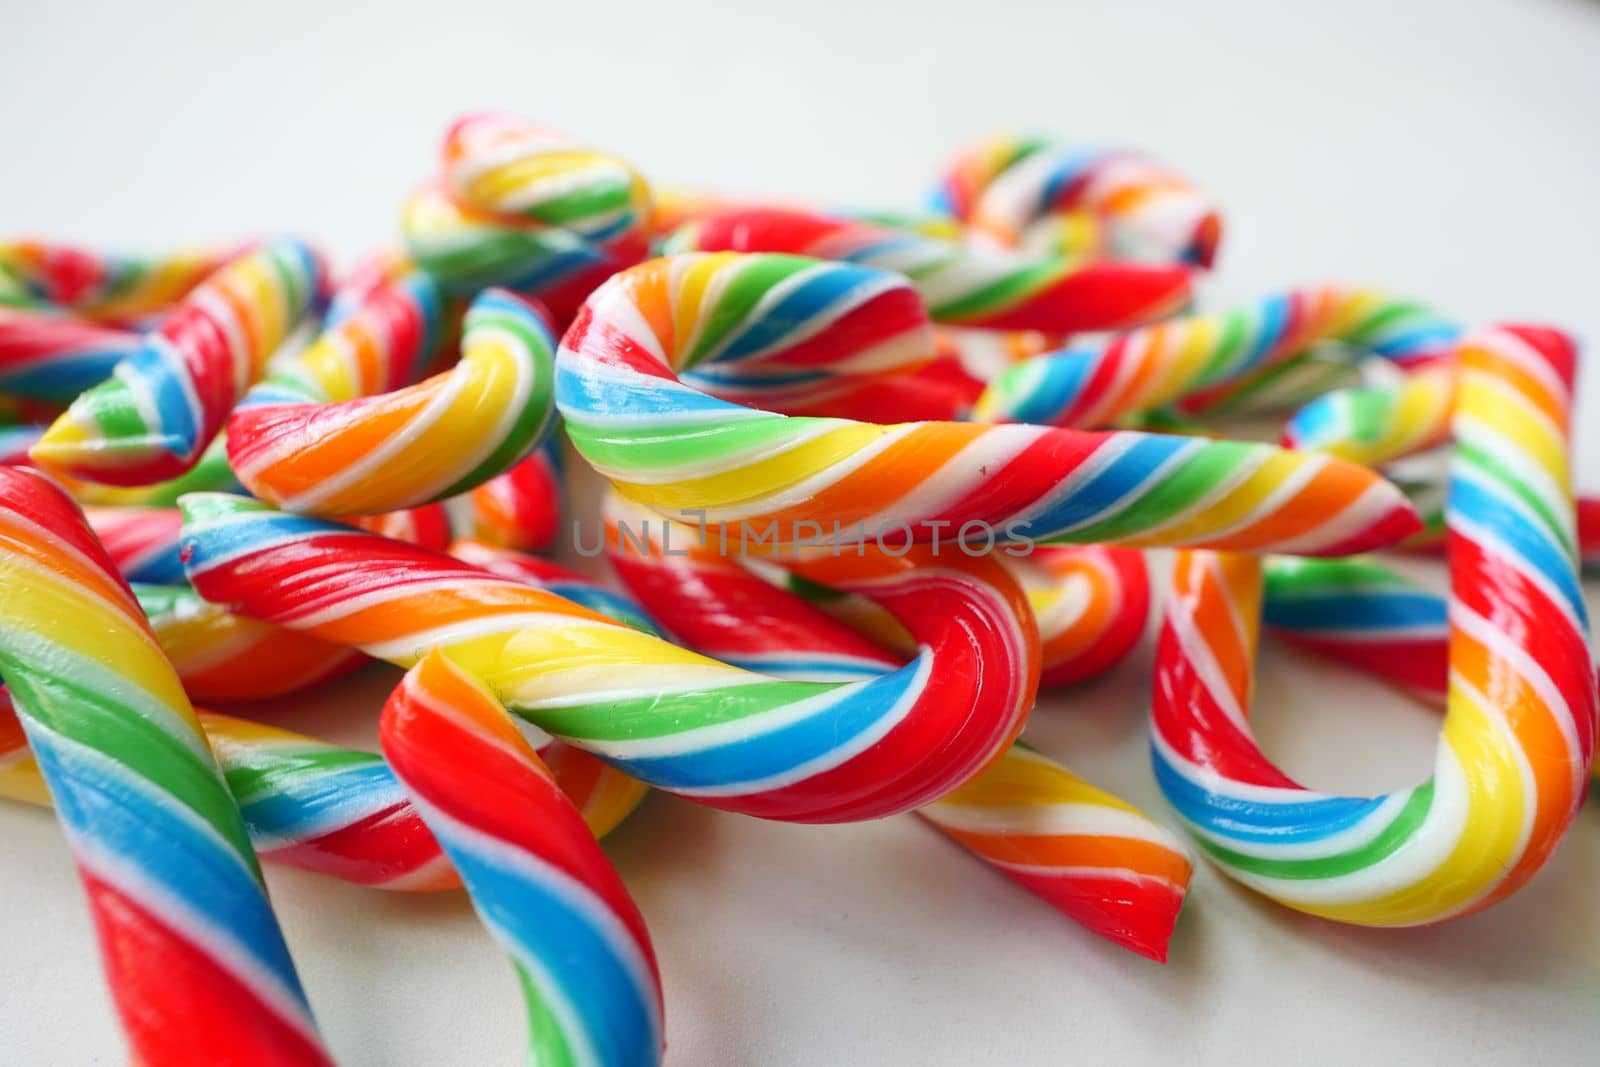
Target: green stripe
{"x": 641, "y": 718}
{"x": 736, "y": 305}
{"x": 1508, "y": 478}
{"x": 1001, "y": 294}
{"x": 679, "y": 445}
{"x": 93, "y": 719}
{"x": 1396, "y": 834}
{"x": 1174, "y": 492}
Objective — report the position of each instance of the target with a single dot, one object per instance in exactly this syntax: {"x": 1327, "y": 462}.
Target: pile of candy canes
{"x": 875, "y": 479}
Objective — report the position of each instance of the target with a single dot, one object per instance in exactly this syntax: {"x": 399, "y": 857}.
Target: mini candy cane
{"x": 521, "y": 207}
{"x": 1027, "y": 191}
{"x": 220, "y": 656}
{"x": 963, "y": 284}
{"x": 414, "y": 445}
{"x": 53, "y": 357}
{"x": 738, "y": 320}
{"x": 1519, "y": 729}
{"x": 521, "y": 509}
{"x": 153, "y": 419}
{"x": 676, "y": 720}
{"x": 537, "y": 878}
{"x": 1146, "y": 369}
{"x": 107, "y": 288}
{"x": 1098, "y": 860}
{"x": 196, "y": 963}
{"x": 306, "y": 804}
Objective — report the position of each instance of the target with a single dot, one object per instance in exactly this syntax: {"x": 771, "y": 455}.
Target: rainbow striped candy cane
{"x": 415, "y": 445}
{"x": 1093, "y": 386}
{"x": 519, "y": 206}
{"x": 163, "y": 405}
{"x": 535, "y": 874}
{"x": 739, "y": 320}
{"x": 963, "y": 284}
{"x": 1090, "y": 855}
{"x": 1519, "y": 729}
{"x": 678, "y": 721}
{"x": 197, "y": 966}
{"x": 1036, "y": 193}
{"x": 1377, "y": 424}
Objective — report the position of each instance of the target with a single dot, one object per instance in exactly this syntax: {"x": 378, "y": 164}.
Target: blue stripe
{"x": 126, "y": 820}
{"x": 1046, "y": 386}
{"x": 1317, "y": 422}
{"x": 165, "y": 384}
{"x": 580, "y": 392}
{"x": 305, "y": 804}
{"x": 1124, "y": 476}
{"x": 1372, "y": 610}
{"x": 615, "y": 1012}
{"x": 849, "y": 711}
{"x": 63, "y": 378}
{"x": 162, "y": 568}
{"x": 202, "y": 547}
{"x": 1471, "y": 500}
{"x": 822, "y": 293}
{"x": 1291, "y": 822}
{"x": 1274, "y": 314}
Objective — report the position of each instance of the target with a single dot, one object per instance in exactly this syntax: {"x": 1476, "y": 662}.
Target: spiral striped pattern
{"x": 307, "y": 804}
{"x": 694, "y": 457}
{"x": 1091, "y": 603}
{"x": 153, "y": 419}
{"x": 1032, "y": 192}
{"x": 54, "y": 357}
{"x": 521, "y": 207}
{"x": 1361, "y": 613}
{"x": 1098, "y": 860}
{"x": 537, "y": 879}
{"x": 210, "y": 474}
{"x": 383, "y": 342}
{"x": 106, "y": 288}
{"x": 415, "y": 445}
{"x": 521, "y": 509}
{"x": 963, "y": 284}
{"x": 220, "y": 656}
{"x": 1519, "y": 728}
{"x": 197, "y": 966}
{"x": 1377, "y": 424}
{"x": 142, "y": 542}
{"x": 676, "y": 720}
{"x": 1139, "y": 371}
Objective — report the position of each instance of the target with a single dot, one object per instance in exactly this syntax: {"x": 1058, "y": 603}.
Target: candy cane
{"x": 1519, "y": 729}
{"x": 742, "y": 319}
{"x": 963, "y": 284}
{"x": 1029, "y": 191}
{"x": 1093, "y": 386}
{"x": 415, "y": 445}
{"x": 165, "y": 403}
{"x": 676, "y": 720}
{"x": 196, "y": 963}
{"x": 1097, "y": 859}
{"x": 522, "y": 207}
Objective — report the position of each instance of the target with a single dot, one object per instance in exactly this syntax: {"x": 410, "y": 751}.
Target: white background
{"x": 1446, "y": 150}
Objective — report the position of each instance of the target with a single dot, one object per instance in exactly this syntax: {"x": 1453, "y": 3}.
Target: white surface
{"x": 1446, "y": 150}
